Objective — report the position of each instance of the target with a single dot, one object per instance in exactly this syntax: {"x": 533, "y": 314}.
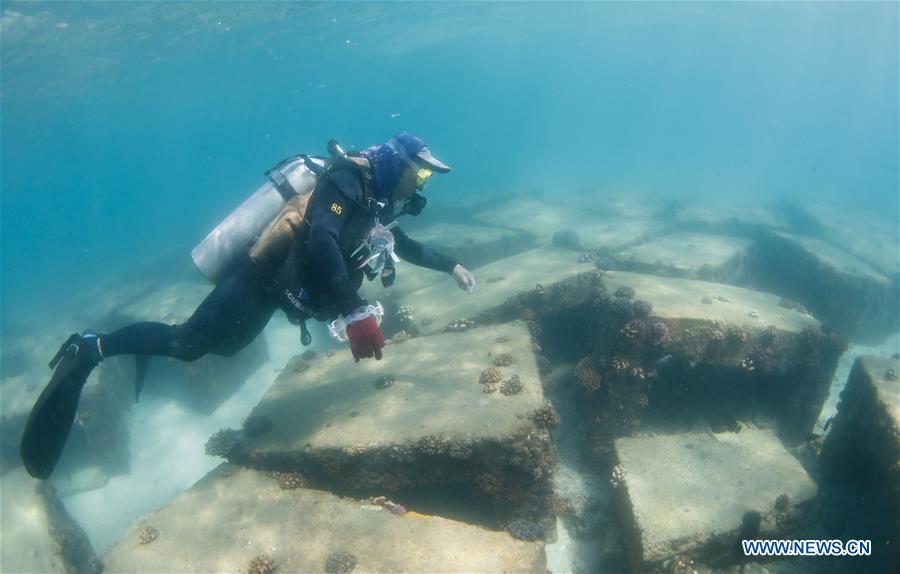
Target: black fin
{"x": 140, "y": 370}
{"x": 51, "y": 418}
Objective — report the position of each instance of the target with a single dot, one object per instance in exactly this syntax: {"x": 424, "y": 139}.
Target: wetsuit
{"x": 340, "y": 214}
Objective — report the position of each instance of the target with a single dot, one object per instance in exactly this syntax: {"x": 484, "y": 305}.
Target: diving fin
{"x": 140, "y": 370}
{"x": 51, "y": 418}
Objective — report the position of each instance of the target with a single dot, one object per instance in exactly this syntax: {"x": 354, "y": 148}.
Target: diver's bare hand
{"x": 464, "y": 278}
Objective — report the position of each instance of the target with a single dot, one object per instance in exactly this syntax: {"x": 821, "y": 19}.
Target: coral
{"x": 747, "y": 364}
{"x": 511, "y": 386}
{"x": 262, "y": 564}
{"x": 587, "y": 375}
{"x": 782, "y": 502}
{"x": 340, "y": 563}
{"x": 399, "y": 337}
{"x": 222, "y": 442}
{"x": 890, "y": 375}
{"x": 633, "y": 330}
{"x": 384, "y": 381}
{"x": 617, "y": 477}
{"x": 297, "y": 365}
{"x": 545, "y": 417}
{"x": 625, "y": 292}
{"x": 641, "y": 308}
{"x": 489, "y": 387}
{"x": 491, "y": 375}
{"x": 255, "y": 425}
{"x": 525, "y": 530}
{"x": 289, "y": 480}
{"x": 147, "y": 534}
{"x": 622, "y": 309}
{"x": 502, "y": 339}
{"x": 585, "y": 258}
{"x": 503, "y": 360}
{"x": 753, "y": 314}
{"x": 620, "y": 365}
{"x": 659, "y": 334}
{"x": 459, "y": 325}
{"x": 406, "y": 315}
{"x": 568, "y": 239}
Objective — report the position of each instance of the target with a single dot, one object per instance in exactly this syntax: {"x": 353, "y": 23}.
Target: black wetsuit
{"x": 341, "y": 212}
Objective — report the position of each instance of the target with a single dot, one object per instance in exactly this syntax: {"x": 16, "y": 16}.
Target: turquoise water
{"x": 130, "y": 129}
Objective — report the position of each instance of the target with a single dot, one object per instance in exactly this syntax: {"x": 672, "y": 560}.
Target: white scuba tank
{"x": 244, "y": 225}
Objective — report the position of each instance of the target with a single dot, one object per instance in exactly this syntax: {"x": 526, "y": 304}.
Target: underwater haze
{"x": 130, "y": 129}
{"x": 722, "y": 175}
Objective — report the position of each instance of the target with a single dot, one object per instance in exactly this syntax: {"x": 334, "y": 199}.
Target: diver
{"x": 309, "y": 262}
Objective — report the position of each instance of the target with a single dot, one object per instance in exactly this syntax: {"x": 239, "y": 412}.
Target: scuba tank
{"x": 295, "y": 176}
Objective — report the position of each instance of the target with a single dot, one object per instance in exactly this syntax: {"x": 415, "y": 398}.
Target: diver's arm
{"x": 328, "y": 212}
{"x": 414, "y": 252}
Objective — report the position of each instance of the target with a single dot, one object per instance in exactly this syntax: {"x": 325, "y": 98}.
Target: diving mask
{"x": 422, "y": 177}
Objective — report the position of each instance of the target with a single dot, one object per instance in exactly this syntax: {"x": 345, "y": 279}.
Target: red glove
{"x": 365, "y": 338}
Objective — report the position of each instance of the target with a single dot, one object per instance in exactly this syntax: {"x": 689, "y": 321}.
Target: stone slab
{"x": 597, "y": 229}
{"x": 683, "y": 254}
{"x": 38, "y": 535}
{"x": 863, "y": 445}
{"x": 712, "y": 214}
{"x": 872, "y": 237}
{"x": 833, "y": 284}
{"x": 688, "y": 493}
{"x": 330, "y": 421}
{"x": 679, "y": 298}
{"x": 223, "y": 522}
{"x": 439, "y": 304}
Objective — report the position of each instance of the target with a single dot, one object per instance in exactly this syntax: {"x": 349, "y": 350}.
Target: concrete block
{"x": 688, "y": 494}
{"x": 420, "y": 416}
{"x": 38, "y": 533}
{"x": 229, "y": 518}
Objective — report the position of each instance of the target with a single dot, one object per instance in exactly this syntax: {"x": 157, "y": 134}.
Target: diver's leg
{"x": 230, "y": 318}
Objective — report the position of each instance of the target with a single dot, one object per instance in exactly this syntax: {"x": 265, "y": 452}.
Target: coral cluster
{"x": 459, "y": 325}
{"x": 568, "y": 239}
{"x": 545, "y": 417}
{"x": 490, "y": 379}
{"x": 399, "y": 337}
{"x": 617, "y": 477}
{"x": 503, "y": 360}
{"x": 625, "y": 292}
{"x": 384, "y": 381}
{"x": 222, "y": 442}
{"x": 587, "y": 375}
{"x": 586, "y": 257}
{"x": 525, "y": 530}
{"x": 147, "y": 534}
{"x": 262, "y": 564}
{"x": 511, "y": 386}
{"x": 289, "y": 480}
{"x": 406, "y": 315}
{"x": 255, "y": 425}
{"x": 340, "y": 563}
{"x": 782, "y": 502}
{"x": 659, "y": 334}
{"x": 633, "y": 331}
